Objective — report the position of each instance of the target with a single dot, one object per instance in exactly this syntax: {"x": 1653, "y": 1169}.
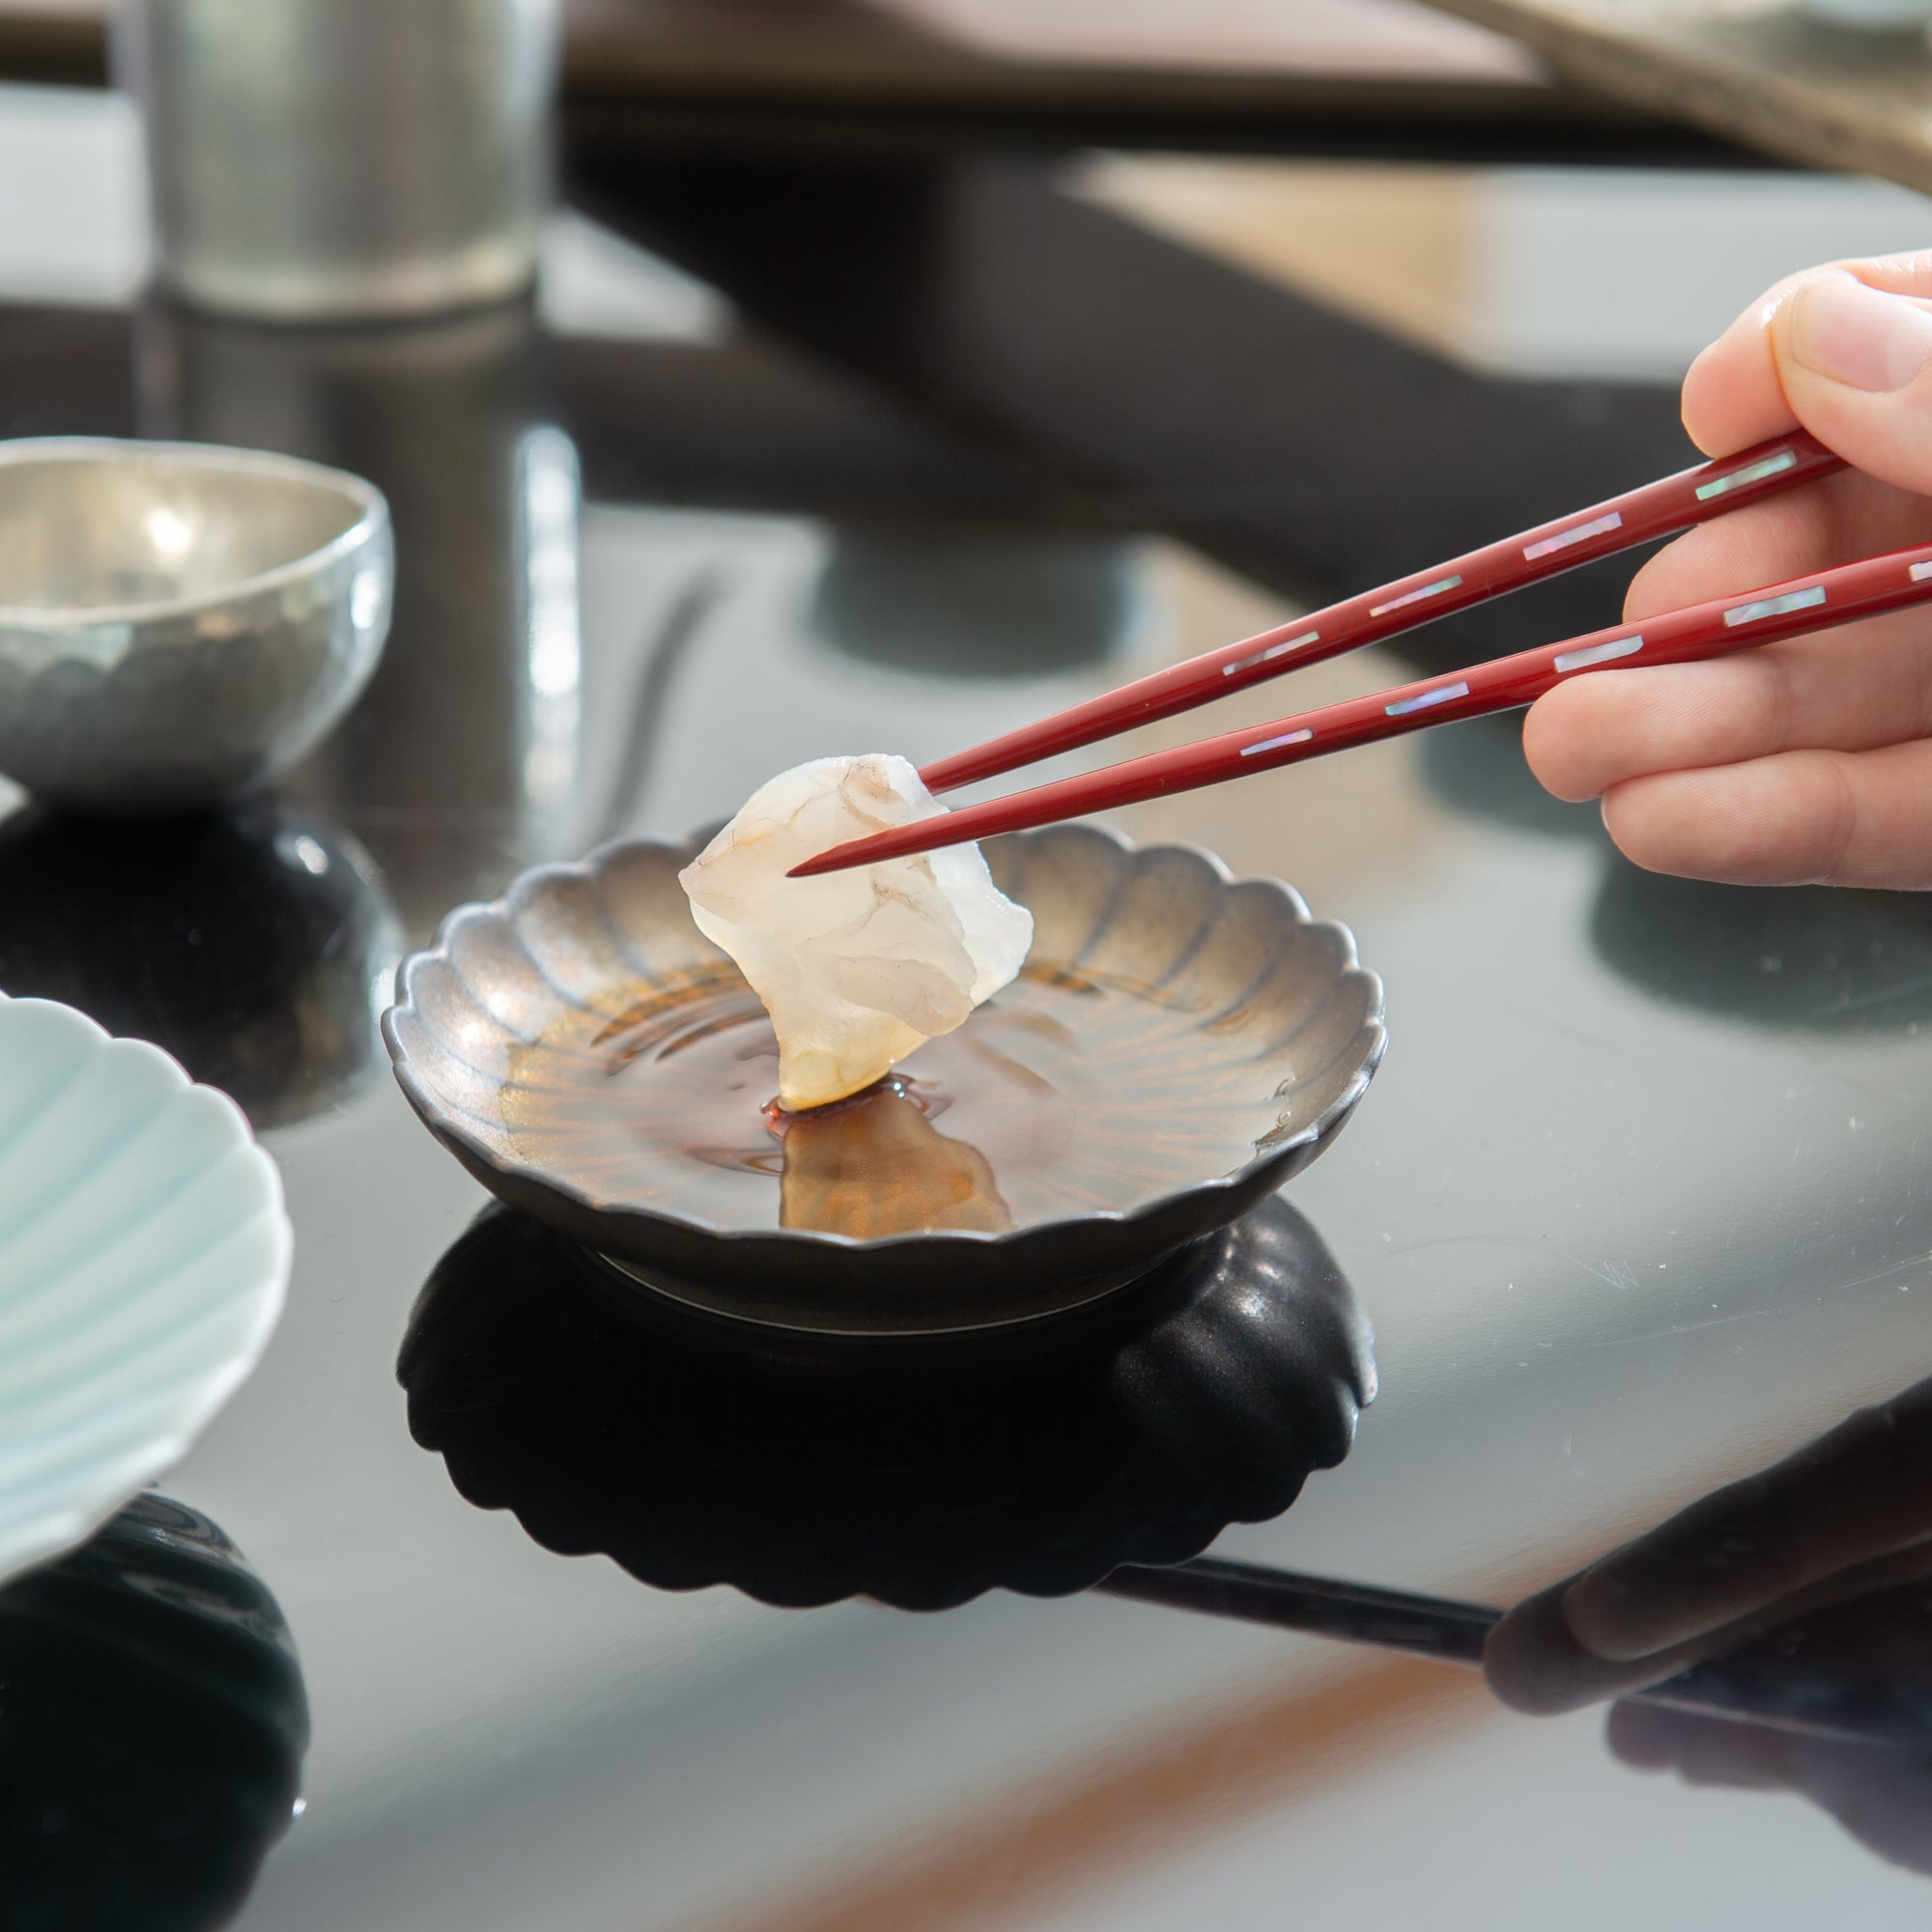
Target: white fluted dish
{"x": 144, "y": 1258}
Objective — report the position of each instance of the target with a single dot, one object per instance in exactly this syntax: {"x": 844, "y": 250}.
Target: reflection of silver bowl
{"x": 255, "y": 944}
{"x": 1177, "y": 1047}
{"x": 179, "y": 620}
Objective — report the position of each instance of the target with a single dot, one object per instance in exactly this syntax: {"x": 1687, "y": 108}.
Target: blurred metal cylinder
{"x": 326, "y": 159}
{"x": 460, "y": 764}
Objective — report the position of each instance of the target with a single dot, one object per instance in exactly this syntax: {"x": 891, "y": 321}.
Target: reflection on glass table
{"x": 1881, "y": 1796}
{"x": 1817, "y": 1567}
{"x": 920, "y": 1473}
{"x": 468, "y": 739}
{"x": 152, "y": 1730}
{"x": 1799, "y": 958}
{"x": 976, "y": 604}
{"x": 256, "y": 944}
{"x": 504, "y": 1739}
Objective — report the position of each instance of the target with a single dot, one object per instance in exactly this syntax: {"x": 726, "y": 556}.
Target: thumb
{"x": 1855, "y": 366}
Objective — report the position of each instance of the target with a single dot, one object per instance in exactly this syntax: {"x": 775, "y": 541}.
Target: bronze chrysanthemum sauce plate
{"x": 1178, "y": 1045}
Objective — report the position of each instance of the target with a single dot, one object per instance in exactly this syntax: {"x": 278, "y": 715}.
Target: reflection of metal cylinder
{"x": 977, "y": 604}
{"x": 459, "y": 763}
{"x": 314, "y": 158}
{"x": 549, "y": 492}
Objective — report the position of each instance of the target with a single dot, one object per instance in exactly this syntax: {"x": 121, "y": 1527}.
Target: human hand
{"x": 1883, "y": 1797}
{"x": 1824, "y": 1560}
{"x": 1846, "y": 1517}
{"x": 1880, "y": 1793}
{"x": 1807, "y": 761}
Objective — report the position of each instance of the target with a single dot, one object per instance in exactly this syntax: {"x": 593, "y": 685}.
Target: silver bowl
{"x": 1177, "y": 1047}
{"x": 178, "y": 621}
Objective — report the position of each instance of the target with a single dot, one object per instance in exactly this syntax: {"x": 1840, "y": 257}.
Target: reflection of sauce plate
{"x": 806, "y": 1468}
{"x": 1177, "y": 1047}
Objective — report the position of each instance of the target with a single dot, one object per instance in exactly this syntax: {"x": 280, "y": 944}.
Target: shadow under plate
{"x": 921, "y": 1473}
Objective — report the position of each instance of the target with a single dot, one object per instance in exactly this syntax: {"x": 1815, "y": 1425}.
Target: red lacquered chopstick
{"x": 1816, "y": 603}
{"x": 1657, "y": 510}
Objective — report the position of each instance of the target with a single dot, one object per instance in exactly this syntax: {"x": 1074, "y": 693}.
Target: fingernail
{"x": 1597, "y": 1612}
{"x": 1859, "y": 336}
{"x": 1645, "y": 1738}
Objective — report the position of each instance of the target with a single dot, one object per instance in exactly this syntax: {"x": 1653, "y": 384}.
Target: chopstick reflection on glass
{"x": 1761, "y": 1682}
{"x": 1818, "y": 601}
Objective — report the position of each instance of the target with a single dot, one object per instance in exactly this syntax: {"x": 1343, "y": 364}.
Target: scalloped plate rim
{"x": 525, "y": 886}
{"x": 87, "y": 1505}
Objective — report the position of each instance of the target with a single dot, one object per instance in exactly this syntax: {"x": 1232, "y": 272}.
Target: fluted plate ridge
{"x": 143, "y": 1258}
{"x": 1247, "y": 1024}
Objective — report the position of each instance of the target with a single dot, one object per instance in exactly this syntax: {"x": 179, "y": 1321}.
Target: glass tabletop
{"x": 798, "y": 454}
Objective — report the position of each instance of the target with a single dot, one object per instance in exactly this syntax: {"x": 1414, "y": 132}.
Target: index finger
{"x": 1861, "y": 1491}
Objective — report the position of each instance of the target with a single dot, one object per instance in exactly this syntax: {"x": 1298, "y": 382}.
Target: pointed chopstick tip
{"x": 901, "y": 841}
{"x": 819, "y": 864}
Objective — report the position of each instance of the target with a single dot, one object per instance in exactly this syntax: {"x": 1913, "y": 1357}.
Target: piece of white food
{"x": 856, "y": 968}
